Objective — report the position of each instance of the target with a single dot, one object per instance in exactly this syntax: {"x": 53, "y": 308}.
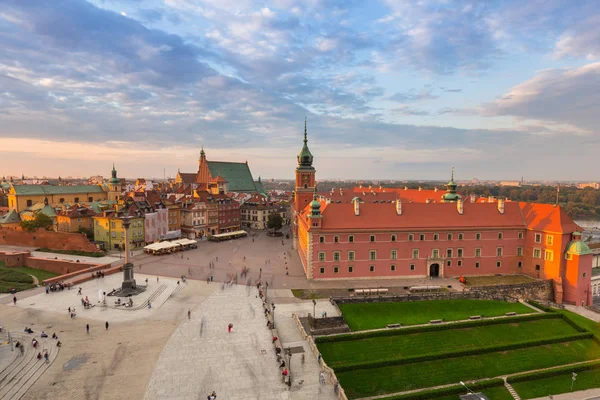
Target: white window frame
{"x": 324, "y": 254}
{"x": 372, "y": 255}
{"x": 549, "y": 240}
{"x": 538, "y": 238}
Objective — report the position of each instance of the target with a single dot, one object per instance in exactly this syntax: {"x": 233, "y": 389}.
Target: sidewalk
{"x": 590, "y": 394}
{"x": 584, "y": 312}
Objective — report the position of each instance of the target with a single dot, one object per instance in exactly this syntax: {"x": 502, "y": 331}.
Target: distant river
{"x": 590, "y": 227}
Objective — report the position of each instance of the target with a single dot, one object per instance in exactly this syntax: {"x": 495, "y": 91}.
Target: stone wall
{"x": 327, "y": 326}
{"x": 539, "y": 290}
{"x": 46, "y": 239}
{"x": 13, "y": 259}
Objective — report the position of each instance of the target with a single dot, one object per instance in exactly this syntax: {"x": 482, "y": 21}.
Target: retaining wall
{"x": 47, "y": 239}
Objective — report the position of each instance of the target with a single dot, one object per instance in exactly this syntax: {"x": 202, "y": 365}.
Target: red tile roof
{"x": 547, "y": 217}
{"x": 408, "y": 195}
{"x": 76, "y": 211}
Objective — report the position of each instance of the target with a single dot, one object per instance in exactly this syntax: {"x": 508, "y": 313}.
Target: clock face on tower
{"x": 305, "y": 178}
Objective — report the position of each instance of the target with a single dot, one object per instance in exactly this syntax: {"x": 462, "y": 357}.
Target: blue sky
{"x": 392, "y": 89}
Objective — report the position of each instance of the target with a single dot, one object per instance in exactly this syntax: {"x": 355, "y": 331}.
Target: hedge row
{"x": 464, "y": 353}
{"x": 96, "y": 254}
{"x": 433, "y": 328}
{"x": 541, "y": 306}
{"x": 558, "y": 371}
{"x": 455, "y": 389}
{"x": 576, "y": 326}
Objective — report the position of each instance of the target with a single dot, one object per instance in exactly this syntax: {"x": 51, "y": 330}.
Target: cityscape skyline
{"x": 391, "y": 90}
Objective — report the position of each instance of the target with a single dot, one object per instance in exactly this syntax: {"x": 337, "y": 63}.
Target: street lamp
{"x": 266, "y": 290}
{"x": 469, "y": 391}
{"x": 573, "y": 378}
{"x": 314, "y": 307}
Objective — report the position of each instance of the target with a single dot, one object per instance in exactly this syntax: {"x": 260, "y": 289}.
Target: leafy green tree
{"x": 89, "y": 233}
{"x": 275, "y": 222}
{"x": 40, "y": 221}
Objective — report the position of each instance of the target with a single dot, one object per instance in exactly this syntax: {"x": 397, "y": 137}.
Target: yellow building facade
{"x": 22, "y": 196}
{"x": 108, "y": 229}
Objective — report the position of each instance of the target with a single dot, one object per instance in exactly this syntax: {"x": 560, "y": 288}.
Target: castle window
{"x": 393, "y": 254}
{"x": 415, "y": 254}
{"x": 549, "y": 255}
{"x": 478, "y": 252}
{"x": 76, "y": 200}
{"x": 336, "y": 256}
{"x": 435, "y": 253}
{"x": 449, "y": 253}
{"x": 371, "y": 268}
{"x": 498, "y": 264}
{"x": 459, "y": 263}
{"x": 449, "y": 263}
{"x": 478, "y": 236}
{"x": 321, "y": 239}
{"x": 373, "y": 255}
{"x": 520, "y": 264}
{"x": 351, "y": 238}
{"x": 538, "y": 238}
{"x": 500, "y": 235}
{"x": 321, "y": 256}
{"x": 412, "y": 267}
{"x": 305, "y": 186}
{"x": 90, "y": 199}
{"x": 498, "y": 251}
{"x": 350, "y": 256}
{"x": 477, "y": 265}
{"x": 29, "y": 203}
{"x": 461, "y": 236}
{"x": 422, "y": 237}
{"x": 459, "y": 253}
{"x": 61, "y": 200}
{"x": 410, "y": 237}
{"x": 336, "y": 270}
{"x": 519, "y": 251}
{"x": 549, "y": 240}
{"x": 584, "y": 274}
{"x": 393, "y": 268}
{"x": 537, "y": 253}
{"x": 372, "y": 238}
{"x": 336, "y": 239}
{"x": 393, "y": 238}
{"x": 449, "y": 236}
{"x": 520, "y": 235}
{"x": 436, "y": 236}
{"x": 322, "y": 270}
{"x": 350, "y": 268}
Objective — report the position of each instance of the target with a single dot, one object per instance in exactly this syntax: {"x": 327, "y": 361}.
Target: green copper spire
{"x": 305, "y": 158}
{"x": 202, "y": 154}
{"x": 114, "y": 178}
{"x": 315, "y": 205}
{"x": 451, "y": 195}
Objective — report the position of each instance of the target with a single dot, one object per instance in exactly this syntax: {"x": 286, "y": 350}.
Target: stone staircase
{"x": 18, "y": 376}
{"x": 511, "y": 389}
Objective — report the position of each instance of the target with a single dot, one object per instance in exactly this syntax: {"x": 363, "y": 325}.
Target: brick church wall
{"x": 57, "y": 266}
{"x": 46, "y": 239}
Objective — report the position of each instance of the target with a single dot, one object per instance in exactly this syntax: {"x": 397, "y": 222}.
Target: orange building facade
{"x": 380, "y": 233}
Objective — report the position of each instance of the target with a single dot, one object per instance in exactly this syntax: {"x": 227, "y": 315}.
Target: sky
{"x": 391, "y": 89}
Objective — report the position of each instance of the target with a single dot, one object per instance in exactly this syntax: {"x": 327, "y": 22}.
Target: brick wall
{"x": 57, "y": 266}
{"x": 13, "y": 259}
{"x": 47, "y": 239}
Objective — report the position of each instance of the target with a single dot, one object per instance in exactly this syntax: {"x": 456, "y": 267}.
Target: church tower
{"x": 114, "y": 186}
{"x": 305, "y": 177}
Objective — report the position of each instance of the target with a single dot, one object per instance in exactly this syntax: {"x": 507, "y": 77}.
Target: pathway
{"x": 589, "y": 314}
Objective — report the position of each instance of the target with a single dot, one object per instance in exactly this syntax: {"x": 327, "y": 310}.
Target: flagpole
{"x": 557, "y": 192}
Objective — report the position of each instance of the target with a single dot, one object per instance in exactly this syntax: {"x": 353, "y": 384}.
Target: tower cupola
{"x": 305, "y": 157}
{"x": 451, "y": 196}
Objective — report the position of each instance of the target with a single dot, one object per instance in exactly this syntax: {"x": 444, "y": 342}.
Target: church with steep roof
{"x": 388, "y": 233}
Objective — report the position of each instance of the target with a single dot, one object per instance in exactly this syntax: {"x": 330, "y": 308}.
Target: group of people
{"x": 57, "y": 287}
{"x": 129, "y": 303}
{"x": 212, "y": 396}
{"x": 98, "y": 274}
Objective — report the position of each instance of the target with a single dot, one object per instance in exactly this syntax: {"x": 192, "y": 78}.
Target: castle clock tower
{"x": 305, "y": 185}
{"x": 114, "y": 186}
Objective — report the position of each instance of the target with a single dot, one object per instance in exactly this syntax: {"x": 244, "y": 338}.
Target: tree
{"x": 275, "y": 221}
{"x": 87, "y": 232}
{"x": 40, "y": 221}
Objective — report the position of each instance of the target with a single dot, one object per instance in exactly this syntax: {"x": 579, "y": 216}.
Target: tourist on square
{"x": 44, "y": 334}
{"x": 322, "y": 378}
{"x": 87, "y": 329}
{"x": 229, "y": 327}
{"x": 285, "y": 372}
{"x": 106, "y": 325}
{"x": 189, "y": 314}
{"x": 54, "y": 336}
{"x": 39, "y": 356}
{"x": 79, "y": 292}
{"x": 15, "y": 300}
{"x": 47, "y": 356}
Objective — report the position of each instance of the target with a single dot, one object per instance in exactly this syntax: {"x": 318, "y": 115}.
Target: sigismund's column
{"x": 128, "y": 280}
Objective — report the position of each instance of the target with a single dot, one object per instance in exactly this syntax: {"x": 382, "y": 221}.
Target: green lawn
{"x": 377, "y": 381}
{"x": 557, "y": 384}
{"x": 585, "y": 323}
{"x": 410, "y": 345}
{"x": 38, "y": 273}
{"x": 494, "y": 393}
{"x": 15, "y": 279}
{"x": 361, "y": 316}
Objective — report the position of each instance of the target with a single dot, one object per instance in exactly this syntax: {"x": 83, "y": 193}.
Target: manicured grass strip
{"x": 452, "y": 392}
{"x": 40, "y": 274}
{"x": 12, "y": 278}
{"x": 361, "y": 316}
{"x": 415, "y": 344}
{"x": 494, "y": 393}
{"x": 96, "y": 254}
{"x": 434, "y": 328}
{"x": 581, "y": 321}
{"x": 463, "y": 353}
{"x": 558, "y": 384}
{"x": 391, "y": 379}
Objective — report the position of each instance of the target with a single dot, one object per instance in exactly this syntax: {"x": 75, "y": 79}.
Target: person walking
{"x": 229, "y": 327}
{"x": 15, "y": 300}
{"x": 106, "y": 325}
{"x": 322, "y": 378}
{"x": 189, "y": 314}
{"x": 87, "y": 329}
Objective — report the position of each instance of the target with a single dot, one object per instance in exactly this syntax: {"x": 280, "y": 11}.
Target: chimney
{"x": 420, "y": 188}
{"x": 459, "y": 206}
{"x": 435, "y": 189}
{"x": 428, "y": 201}
{"x": 472, "y": 197}
{"x": 490, "y": 199}
{"x": 356, "y": 207}
{"x": 398, "y": 207}
{"x": 501, "y": 206}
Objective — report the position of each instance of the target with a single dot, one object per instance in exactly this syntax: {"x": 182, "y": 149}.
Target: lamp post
{"x": 266, "y": 290}
{"x": 469, "y": 391}
{"x": 573, "y": 378}
{"x": 314, "y": 307}
{"x": 273, "y": 307}
{"x": 128, "y": 279}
